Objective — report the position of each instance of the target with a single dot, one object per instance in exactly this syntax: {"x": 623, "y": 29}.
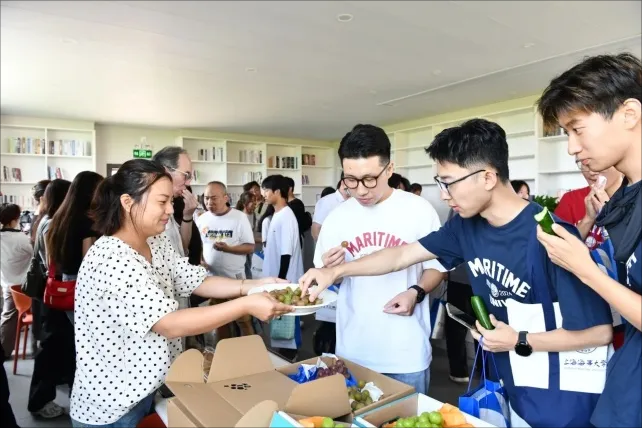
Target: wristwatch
{"x": 522, "y": 348}
{"x": 421, "y": 294}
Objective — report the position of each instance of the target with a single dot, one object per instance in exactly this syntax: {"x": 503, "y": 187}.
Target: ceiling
{"x": 185, "y": 64}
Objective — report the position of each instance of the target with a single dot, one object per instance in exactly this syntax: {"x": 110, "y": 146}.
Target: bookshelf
{"x": 237, "y": 162}
{"x": 535, "y": 157}
{"x": 29, "y": 154}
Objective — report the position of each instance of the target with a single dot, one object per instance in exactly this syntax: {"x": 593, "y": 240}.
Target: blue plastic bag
{"x": 310, "y": 373}
{"x": 489, "y": 401}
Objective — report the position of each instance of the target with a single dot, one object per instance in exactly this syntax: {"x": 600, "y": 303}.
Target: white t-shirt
{"x": 234, "y": 229}
{"x": 325, "y": 205}
{"x": 15, "y": 257}
{"x": 282, "y": 239}
{"x": 365, "y": 334}
{"x": 119, "y": 298}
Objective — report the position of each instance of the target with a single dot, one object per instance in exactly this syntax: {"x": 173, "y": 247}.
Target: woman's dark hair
{"x": 415, "y": 187}
{"x": 54, "y": 196}
{"x": 269, "y": 212}
{"x": 599, "y": 84}
{"x": 477, "y": 143}
{"x": 277, "y": 182}
{"x": 39, "y": 189}
{"x": 406, "y": 183}
{"x": 365, "y": 141}
{"x": 248, "y": 186}
{"x": 71, "y": 213}
{"x": 244, "y": 199}
{"x": 134, "y": 178}
{"x": 328, "y": 191}
{"x": 395, "y": 180}
{"x": 9, "y": 213}
{"x": 518, "y": 184}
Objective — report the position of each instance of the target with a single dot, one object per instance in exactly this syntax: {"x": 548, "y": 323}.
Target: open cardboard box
{"x": 287, "y": 420}
{"x": 243, "y": 389}
{"x": 392, "y": 389}
{"x": 413, "y": 405}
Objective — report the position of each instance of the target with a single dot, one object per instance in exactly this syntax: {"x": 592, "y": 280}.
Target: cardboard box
{"x": 243, "y": 389}
{"x": 392, "y": 389}
{"x": 413, "y": 405}
{"x": 286, "y": 420}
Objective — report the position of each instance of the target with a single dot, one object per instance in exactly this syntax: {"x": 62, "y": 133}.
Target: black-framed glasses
{"x": 444, "y": 187}
{"x": 188, "y": 175}
{"x": 368, "y": 182}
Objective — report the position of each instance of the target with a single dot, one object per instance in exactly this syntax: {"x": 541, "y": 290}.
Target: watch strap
{"x": 421, "y": 293}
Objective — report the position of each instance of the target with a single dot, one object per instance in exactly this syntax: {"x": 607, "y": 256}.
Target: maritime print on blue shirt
{"x": 501, "y": 282}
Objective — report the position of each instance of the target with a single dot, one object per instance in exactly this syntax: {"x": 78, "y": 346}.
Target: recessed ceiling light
{"x": 529, "y": 45}
{"x": 69, "y": 41}
{"x": 250, "y": 70}
{"x": 436, "y": 72}
{"x": 344, "y": 17}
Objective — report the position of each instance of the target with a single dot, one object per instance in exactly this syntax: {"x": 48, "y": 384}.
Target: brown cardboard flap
{"x": 241, "y": 356}
{"x": 323, "y": 397}
{"x": 245, "y": 392}
{"x": 177, "y": 416}
{"x": 259, "y": 415}
{"x": 398, "y": 409}
{"x": 199, "y": 403}
{"x": 186, "y": 368}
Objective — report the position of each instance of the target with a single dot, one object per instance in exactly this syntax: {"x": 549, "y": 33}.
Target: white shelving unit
{"x": 37, "y": 153}
{"x": 239, "y": 162}
{"x": 543, "y": 162}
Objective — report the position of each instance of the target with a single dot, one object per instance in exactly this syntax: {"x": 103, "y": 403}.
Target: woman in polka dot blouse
{"x": 127, "y": 321}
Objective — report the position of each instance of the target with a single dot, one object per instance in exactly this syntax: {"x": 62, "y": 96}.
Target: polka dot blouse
{"x": 119, "y": 297}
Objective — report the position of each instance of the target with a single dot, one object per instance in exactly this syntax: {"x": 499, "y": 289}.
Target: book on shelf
{"x": 309, "y": 159}
{"x": 252, "y": 176}
{"x": 69, "y": 148}
{"x": 54, "y": 173}
{"x": 251, "y": 156}
{"x": 283, "y": 162}
{"x": 305, "y": 179}
{"x": 11, "y": 175}
{"x": 23, "y": 201}
{"x": 212, "y": 154}
{"x": 26, "y": 145}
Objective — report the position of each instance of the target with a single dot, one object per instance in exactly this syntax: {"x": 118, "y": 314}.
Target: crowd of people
{"x": 155, "y": 267}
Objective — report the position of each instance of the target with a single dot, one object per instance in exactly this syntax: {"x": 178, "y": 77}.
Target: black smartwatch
{"x": 522, "y": 348}
{"x": 421, "y": 294}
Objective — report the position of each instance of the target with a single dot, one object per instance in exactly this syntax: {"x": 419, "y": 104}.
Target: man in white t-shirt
{"x": 226, "y": 233}
{"x": 281, "y": 249}
{"x": 383, "y": 322}
{"x": 327, "y": 204}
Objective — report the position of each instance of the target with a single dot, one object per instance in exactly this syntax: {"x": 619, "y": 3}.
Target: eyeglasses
{"x": 444, "y": 187}
{"x": 188, "y": 175}
{"x": 368, "y": 182}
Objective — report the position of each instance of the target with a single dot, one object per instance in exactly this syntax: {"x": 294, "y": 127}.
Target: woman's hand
{"x": 565, "y": 249}
{"x": 265, "y": 307}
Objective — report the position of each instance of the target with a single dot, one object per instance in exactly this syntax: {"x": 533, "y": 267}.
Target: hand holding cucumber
{"x": 566, "y": 250}
{"x": 502, "y": 338}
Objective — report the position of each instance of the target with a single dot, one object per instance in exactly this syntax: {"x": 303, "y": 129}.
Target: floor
{"x": 441, "y": 388}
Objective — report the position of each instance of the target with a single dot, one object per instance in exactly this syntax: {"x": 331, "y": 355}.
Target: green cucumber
{"x": 545, "y": 220}
{"x": 481, "y": 313}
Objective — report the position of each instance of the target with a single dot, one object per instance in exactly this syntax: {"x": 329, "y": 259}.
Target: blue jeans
{"x": 128, "y": 420}
{"x": 420, "y": 380}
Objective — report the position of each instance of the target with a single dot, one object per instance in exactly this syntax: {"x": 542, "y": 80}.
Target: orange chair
{"x": 151, "y": 421}
{"x": 25, "y": 319}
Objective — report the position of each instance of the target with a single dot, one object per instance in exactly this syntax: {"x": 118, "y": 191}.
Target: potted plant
{"x": 547, "y": 201}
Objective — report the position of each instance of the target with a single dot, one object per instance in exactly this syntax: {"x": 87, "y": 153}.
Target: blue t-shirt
{"x": 620, "y": 403}
{"x": 496, "y": 259}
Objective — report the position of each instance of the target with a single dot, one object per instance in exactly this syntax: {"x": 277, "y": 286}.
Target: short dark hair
{"x": 248, "y": 186}
{"x": 328, "y": 191}
{"x": 474, "y": 142}
{"x": 365, "y": 141}
{"x": 414, "y": 187}
{"x": 218, "y": 183}
{"x": 134, "y": 178}
{"x": 395, "y": 180}
{"x": 9, "y": 213}
{"x": 599, "y": 84}
{"x": 244, "y": 199}
{"x": 276, "y": 182}
{"x": 290, "y": 182}
{"x": 518, "y": 184}
{"x": 168, "y": 156}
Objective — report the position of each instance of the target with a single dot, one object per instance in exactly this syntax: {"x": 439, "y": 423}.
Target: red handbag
{"x": 59, "y": 294}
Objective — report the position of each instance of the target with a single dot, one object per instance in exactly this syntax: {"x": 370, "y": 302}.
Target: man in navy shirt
{"x": 494, "y": 235}
{"x": 598, "y": 103}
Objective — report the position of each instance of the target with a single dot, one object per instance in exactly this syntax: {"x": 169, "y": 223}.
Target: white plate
{"x": 329, "y": 298}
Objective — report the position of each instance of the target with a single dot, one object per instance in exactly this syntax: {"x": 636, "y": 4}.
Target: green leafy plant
{"x": 549, "y": 202}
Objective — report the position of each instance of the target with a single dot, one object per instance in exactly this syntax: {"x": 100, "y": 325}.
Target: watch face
{"x": 523, "y": 350}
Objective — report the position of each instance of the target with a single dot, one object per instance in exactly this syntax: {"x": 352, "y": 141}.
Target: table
{"x": 160, "y": 403}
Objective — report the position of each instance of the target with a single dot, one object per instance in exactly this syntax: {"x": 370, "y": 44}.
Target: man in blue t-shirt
{"x": 598, "y": 103}
{"x": 494, "y": 235}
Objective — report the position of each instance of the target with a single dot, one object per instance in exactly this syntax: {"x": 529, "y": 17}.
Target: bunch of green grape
{"x": 293, "y": 297}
